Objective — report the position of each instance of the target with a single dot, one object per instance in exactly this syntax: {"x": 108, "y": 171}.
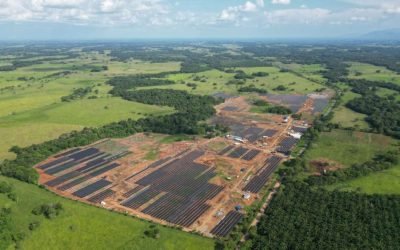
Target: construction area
{"x": 200, "y": 185}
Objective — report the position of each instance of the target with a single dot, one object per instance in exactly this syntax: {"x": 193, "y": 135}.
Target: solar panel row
{"x": 90, "y": 189}
{"x": 226, "y": 225}
{"x": 259, "y": 180}
{"x": 67, "y": 152}
{"x": 286, "y": 145}
{"x": 97, "y": 198}
{"x": 238, "y": 152}
{"x": 226, "y": 150}
{"x": 251, "y": 154}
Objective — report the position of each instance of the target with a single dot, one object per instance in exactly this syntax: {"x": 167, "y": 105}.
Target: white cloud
{"x": 302, "y": 15}
{"x": 280, "y": 1}
{"x": 235, "y": 13}
{"x": 96, "y": 12}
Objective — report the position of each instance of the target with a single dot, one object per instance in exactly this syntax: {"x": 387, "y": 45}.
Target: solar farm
{"x": 198, "y": 185}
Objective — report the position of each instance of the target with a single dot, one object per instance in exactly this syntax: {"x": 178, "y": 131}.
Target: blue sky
{"x": 130, "y": 19}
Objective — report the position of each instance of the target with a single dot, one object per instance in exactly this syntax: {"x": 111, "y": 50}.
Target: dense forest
{"x": 303, "y": 218}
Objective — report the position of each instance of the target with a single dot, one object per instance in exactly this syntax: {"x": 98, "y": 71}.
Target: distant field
{"x": 31, "y": 110}
{"x": 82, "y": 226}
{"x": 372, "y": 72}
{"x": 312, "y": 71}
{"x": 347, "y": 147}
{"x": 384, "y": 182}
{"x": 214, "y": 81}
{"x": 347, "y": 117}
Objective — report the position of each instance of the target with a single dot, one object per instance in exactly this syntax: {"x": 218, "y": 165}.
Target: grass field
{"x": 384, "y": 182}
{"x": 82, "y": 226}
{"x": 372, "y": 72}
{"x": 31, "y": 110}
{"x": 347, "y": 117}
{"x": 348, "y": 147}
{"x": 215, "y": 81}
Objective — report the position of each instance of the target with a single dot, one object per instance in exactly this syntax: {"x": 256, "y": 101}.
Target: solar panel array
{"x": 286, "y": 145}
{"x": 90, "y": 189}
{"x": 75, "y": 167}
{"x": 226, "y": 150}
{"x": 299, "y": 129}
{"x": 238, "y": 152}
{"x": 230, "y": 108}
{"x": 251, "y": 154}
{"x": 180, "y": 188}
{"x": 261, "y": 178}
{"x": 226, "y": 225}
{"x": 97, "y": 198}
{"x": 252, "y": 134}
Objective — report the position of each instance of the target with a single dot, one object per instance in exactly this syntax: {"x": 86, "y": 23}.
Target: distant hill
{"x": 392, "y": 34}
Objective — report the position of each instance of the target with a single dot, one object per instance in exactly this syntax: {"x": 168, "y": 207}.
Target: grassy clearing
{"x": 347, "y": 117}
{"x": 372, "y": 72}
{"x": 385, "y": 182}
{"x": 82, "y": 226}
{"x": 348, "y": 147}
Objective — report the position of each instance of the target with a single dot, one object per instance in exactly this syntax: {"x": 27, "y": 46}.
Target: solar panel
{"x": 238, "y": 152}
{"x": 226, "y": 150}
{"x": 61, "y": 179}
{"x": 97, "y": 198}
{"x": 67, "y": 152}
{"x": 90, "y": 189}
{"x": 54, "y": 163}
{"x": 251, "y": 154}
{"x": 226, "y": 225}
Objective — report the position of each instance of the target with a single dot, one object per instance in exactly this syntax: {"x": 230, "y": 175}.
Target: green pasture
{"x": 214, "y": 81}
{"x": 372, "y": 72}
{"x": 31, "y": 110}
{"x": 348, "y": 147}
{"x": 347, "y": 117}
{"x": 384, "y": 182}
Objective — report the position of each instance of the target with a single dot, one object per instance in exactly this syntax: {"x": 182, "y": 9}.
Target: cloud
{"x": 235, "y": 13}
{"x": 92, "y": 12}
{"x": 303, "y": 15}
{"x": 280, "y": 1}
